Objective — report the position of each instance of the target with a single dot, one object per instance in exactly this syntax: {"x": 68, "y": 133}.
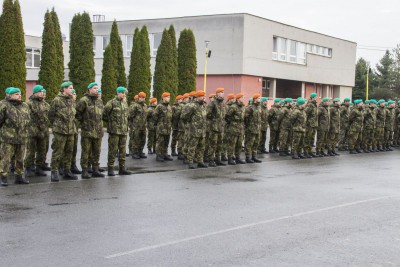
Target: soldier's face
{"x": 220, "y": 95}
{"x": 68, "y": 90}
{"x": 40, "y": 94}
{"x": 94, "y": 90}
{"x": 372, "y": 105}
{"x": 166, "y": 99}
{"x": 257, "y": 100}
{"x": 16, "y": 96}
{"x": 121, "y": 95}
{"x": 239, "y": 100}
{"x": 141, "y": 99}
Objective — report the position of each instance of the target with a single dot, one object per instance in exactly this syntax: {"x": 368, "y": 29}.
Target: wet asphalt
{"x": 332, "y": 211}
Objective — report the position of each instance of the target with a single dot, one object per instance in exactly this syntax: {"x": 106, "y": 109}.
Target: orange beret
{"x": 153, "y": 100}
{"x": 165, "y": 94}
{"x": 192, "y": 93}
{"x": 231, "y": 96}
{"x": 185, "y": 96}
{"x": 219, "y": 90}
{"x": 240, "y": 95}
{"x": 200, "y": 93}
{"x": 178, "y": 97}
{"x": 211, "y": 96}
{"x": 256, "y": 95}
{"x": 136, "y": 97}
{"x": 142, "y": 94}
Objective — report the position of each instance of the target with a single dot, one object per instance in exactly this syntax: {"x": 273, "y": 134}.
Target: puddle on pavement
{"x": 13, "y": 207}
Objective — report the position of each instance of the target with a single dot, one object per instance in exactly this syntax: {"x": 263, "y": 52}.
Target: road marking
{"x": 243, "y": 227}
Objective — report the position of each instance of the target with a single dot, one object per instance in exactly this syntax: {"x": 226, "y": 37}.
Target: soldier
{"x": 395, "y": 128}
{"x": 298, "y": 119}
{"x": 89, "y": 112}
{"x": 62, "y": 121}
{"x": 176, "y": 114}
{"x": 226, "y": 137}
{"x": 356, "y": 124}
{"x": 264, "y": 125}
{"x": 137, "y": 122}
{"x": 181, "y": 128}
{"x": 389, "y": 120}
{"x": 163, "y": 117}
{"x": 274, "y": 126}
{"x": 344, "y": 124}
{"x": 132, "y": 128}
{"x": 215, "y": 116}
{"x": 195, "y": 115}
{"x": 235, "y": 129}
{"x": 334, "y": 127}
{"x": 380, "y": 125}
{"x": 115, "y": 115}
{"x": 323, "y": 127}
{"x": 14, "y": 121}
{"x": 285, "y": 127}
{"x": 369, "y": 126}
{"x": 74, "y": 168}
{"x": 151, "y": 126}
{"x": 191, "y": 98}
{"x": 252, "y": 124}
{"x": 311, "y": 126}
{"x": 38, "y": 131}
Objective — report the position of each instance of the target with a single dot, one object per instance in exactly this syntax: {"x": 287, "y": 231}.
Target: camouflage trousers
{"x": 175, "y": 139}
{"x": 36, "y": 151}
{"x": 309, "y": 138}
{"x": 333, "y": 139}
{"x": 273, "y": 138}
{"x": 234, "y": 145}
{"x": 116, "y": 144}
{"x": 396, "y": 135}
{"x": 90, "y": 152}
{"x": 343, "y": 137}
{"x": 131, "y": 139}
{"x": 207, "y": 145}
{"x": 181, "y": 141}
{"x": 284, "y": 139}
{"x": 196, "y": 149}
{"x": 151, "y": 139}
{"x": 75, "y": 150}
{"x": 263, "y": 140}
{"x": 368, "y": 138}
{"x": 162, "y": 144}
{"x": 251, "y": 142}
{"x": 322, "y": 137}
{"x": 215, "y": 145}
{"x": 298, "y": 142}
{"x": 355, "y": 138}
{"x": 62, "y": 146}
{"x": 225, "y": 144}
{"x": 379, "y": 136}
{"x": 12, "y": 153}
{"x": 388, "y": 137}
{"x": 139, "y": 141}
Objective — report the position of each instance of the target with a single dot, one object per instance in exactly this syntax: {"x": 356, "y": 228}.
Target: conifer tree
{"x": 172, "y": 35}
{"x": 19, "y": 62}
{"x": 146, "y": 65}
{"x": 134, "y": 69}
{"x": 187, "y": 62}
{"x": 116, "y": 43}
{"x": 108, "y": 75}
{"x": 59, "y": 47}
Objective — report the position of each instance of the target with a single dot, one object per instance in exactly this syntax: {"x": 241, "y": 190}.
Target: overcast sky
{"x": 373, "y": 25}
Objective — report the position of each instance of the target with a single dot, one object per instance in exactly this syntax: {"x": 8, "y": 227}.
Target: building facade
{"x": 250, "y": 54}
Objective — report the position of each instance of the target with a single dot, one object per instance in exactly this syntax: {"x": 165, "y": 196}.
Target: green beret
{"x": 351, "y": 104}
{"x": 13, "y": 90}
{"x": 381, "y": 101}
{"x": 65, "y": 84}
{"x": 357, "y": 101}
{"x": 37, "y": 88}
{"x": 8, "y": 90}
{"x": 263, "y": 99}
{"x": 312, "y": 95}
{"x": 386, "y": 104}
{"x": 91, "y": 85}
{"x": 367, "y": 101}
{"x": 301, "y": 101}
{"x": 73, "y": 92}
{"x": 372, "y": 101}
{"x": 251, "y": 100}
{"x": 398, "y": 101}
{"x": 325, "y": 99}
{"x": 288, "y": 100}
{"x": 44, "y": 90}
{"x": 121, "y": 90}
{"x": 336, "y": 99}
{"x": 282, "y": 101}
{"x": 391, "y": 102}
{"x": 279, "y": 100}
{"x": 347, "y": 99}
{"x": 99, "y": 90}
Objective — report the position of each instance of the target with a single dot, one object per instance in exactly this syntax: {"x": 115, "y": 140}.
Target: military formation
{"x": 203, "y": 133}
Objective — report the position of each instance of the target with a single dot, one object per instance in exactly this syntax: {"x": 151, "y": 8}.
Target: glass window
{"x": 156, "y": 42}
{"x": 32, "y": 58}
{"x": 94, "y": 45}
{"x": 282, "y": 49}
{"x": 129, "y": 44}
{"x": 301, "y": 53}
{"x": 106, "y": 40}
{"x": 275, "y": 44}
{"x": 36, "y": 58}
{"x": 29, "y": 58}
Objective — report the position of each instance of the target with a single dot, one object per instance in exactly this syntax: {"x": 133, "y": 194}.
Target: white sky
{"x": 371, "y": 24}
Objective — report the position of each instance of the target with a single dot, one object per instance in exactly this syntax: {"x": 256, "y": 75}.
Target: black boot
{"x": 150, "y": 151}
{"x": 263, "y": 150}
{"x": 192, "y": 166}
{"x": 282, "y": 154}
{"x": 323, "y": 153}
{"x": 97, "y": 173}
{"x": 276, "y": 150}
{"x": 75, "y": 170}
{"x": 39, "y": 171}
{"x": 46, "y": 167}
{"x": 231, "y": 161}
{"x": 111, "y": 171}
{"x": 4, "y": 181}
{"x": 90, "y": 169}
{"x": 181, "y": 157}
{"x": 29, "y": 171}
{"x": 212, "y": 163}
{"x": 358, "y": 150}
{"x": 68, "y": 175}
{"x": 295, "y": 156}
{"x": 160, "y": 158}
{"x": 19, "y": 179}
{"x": 174, "y": 154}
{"x": 123, "y": 171}
{"x": 142, "y": 155}
{"x": 239, "y": 161}
{"x": 85, "y": 173}
{"x": 54, "y": 176}
{"x": 271, "y": 150}
{"x": 352, "y": 151}
{"x": 61, "y": 171}
{"x": 249, "y": 160}
{"x": 336, "y": 154}
{"x": 101, "y": 169}
{"x": 201, "y": 165}
{"x": 220, "y": 163}
{"x": 224, "y": 158}
{"x": 168, "y": 158}
{"x": 256, "y": 160}
{"x": 301, "y": 156}
{"x": 136, "y": 155}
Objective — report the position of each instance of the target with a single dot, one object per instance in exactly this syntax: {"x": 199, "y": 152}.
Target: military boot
{"x": 323, "y": 153}
{"x": 201, "y": 165}
{"x": 276, "y": 149}
{"x": 85, "y": 173}
{"x": 192, "y": 166}
{"x": 46, "y": 167}
{"x": 90, "y": 169}
{"x": 39, "y": 171}
{"x": 282, "y": 154}
{"x": 4, "y": 181}
{"x": 150, "y": 151}
{"x": 101, "y": 169}
{"x": 295, "y": 156}
{"x": 142, "y": 155}
{"x": 249, "y": 160}
{"x": 224, "y": 158}
{"x": 123, "y": 171}
{"x": 97, "y": 173}
{"x": 68, "y": 175}
{"x": 168, "y": 158}
{"x": 181, "y": 157}
{"x": 19, "y": 179}
{"x": 336, "y": 154}
{"x": 271, "y": 150}
{"x": 358, "y": 150}
{"x": 212, "y": 163}
{"x": 160, "y": 158}
{"x": 256, "y": 160}
{"x": 301, "y": 156}
{"x": 231, "y": 161}
{"x": 330, "y": 153}
{"x": 219, "y": 163}
{"x": 174, "y": 154}
{"x": 29, "y": 171}
{"x": 74, "y": 169}
{"x": 136, "y": 155}
{"x": 239, "y": 161}
{"x": 366, "y": 150}
{"x": 352, "y": 151}
{"x": 111, "y": 171}
{"x": 61, "y": 171}
{"x": 54, "y": 176}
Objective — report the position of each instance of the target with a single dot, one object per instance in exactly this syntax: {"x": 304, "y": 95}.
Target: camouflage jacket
{"x": 14, "y": 122}
{"x": 264, "y": 118}
{"x": 396, "y": 114}
{"x": 298, "y": 119}
{"x": 284, "y": 118}
{"x": 181, "y": 124}
{"x": 311, "y": 115}
{"x": 62, "y": 114}
{"x": 389, "y": 115}
{"x": 323, "y": 118}
{"x": 176, "y": 114}
{"x": 38, "y": 110}
{"x": 356, "y": 119}
{"x": 369, "y": 118}
{"x": 89, "y": 113}
{"x": 137, "y": 116}
{"x": 235, "y": 119}
{"x": 151, "y": 124}
{"x": 334, "y": 121}
{"x": 115, "y": 115}
{"x": 380, "y": 117}
{"x": 163, "y": 118}
{"x": 215, "y": 115}
{"x": 195, "y": 116}
{"x": 344, "y": 117}
{"x": 273, "y": 117}
{"x": 252, "y": 119}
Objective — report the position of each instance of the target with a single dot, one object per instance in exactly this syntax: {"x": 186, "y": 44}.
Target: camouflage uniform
{"x": 380, "y": 127}
{"x": 395, "y": 126}
{"x": 264, "y": 129}
{"x": 115, "y": 115}
{"x": 176, "y": 114}
{"x": 151, "y": 128}
{"x": 298, "y": 121}
{"x": 38, "y": 132}
{"x": 62, "y": 120}
{"x": 344, "y": 127}
{"x": 235, "y": 129}
{"x": 334, "y": 128}
{"x": 356, "y": 124}
{"x": 273, "y": 127}
{"x": 163, "y": 117}
{"x": 14, "y": 123}
{"x": 311, "y": 126}
{"x": 137, "y": 126}
{"x": 368, "y": 129}
{"x": 186, "y": 132}
{"x": 252, "y": 124}
{"x": 285, "y": 128}
{"x": 322, "y": 128}
{"x": 181, "y": 130}
{"x": 89, "y": 112}
{"x": 389, "y": 113}
{"x": 215, "y": 116}
{"x": 225, "y": 137}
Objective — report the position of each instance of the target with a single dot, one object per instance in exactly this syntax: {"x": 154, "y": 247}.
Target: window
{"x": 94, "y": 45}
{"x": 275, "y": 48}
{"x": 292, "y": 51}
{"x": 282, "y": 49}
{"x": 32, "y": 58}
{"x": 129, "y": 44}
{"x": 301, "y": 53}
{"x": 156, "y": 40}
{"x": 106, "y": 41}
